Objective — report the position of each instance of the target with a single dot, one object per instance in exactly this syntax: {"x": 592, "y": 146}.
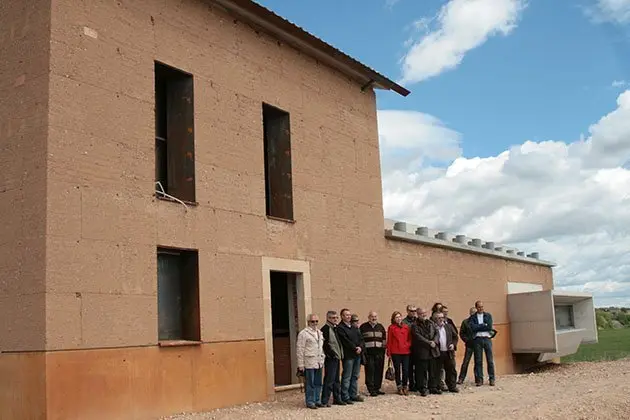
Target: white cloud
{"x": 462, "y": 25}
{"x": 619, "y": 83}
{"x": 616, "y": 11}
{"x": 570, "y": 201}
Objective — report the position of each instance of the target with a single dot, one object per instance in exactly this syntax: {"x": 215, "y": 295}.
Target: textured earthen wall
{"x": 24, "y": 58}
{"x": 103, "y": 223}
{"x": 24, "y": 30}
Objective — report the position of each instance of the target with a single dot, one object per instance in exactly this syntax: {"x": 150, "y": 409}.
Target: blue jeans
{"x": 350, "y": 378}
{"x": 332, "y": 385}
{"x": 483, "y": 345}
{"x": 312, "y": 385}
{"x": 401, "y": 369}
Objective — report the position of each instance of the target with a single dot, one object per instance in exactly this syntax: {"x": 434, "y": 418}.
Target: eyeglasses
{"x": 313, "y": 321}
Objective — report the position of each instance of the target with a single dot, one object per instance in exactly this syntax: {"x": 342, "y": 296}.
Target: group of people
{"x": 420, "y": 348}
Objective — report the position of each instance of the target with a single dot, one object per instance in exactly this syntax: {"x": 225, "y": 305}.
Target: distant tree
{"x": 602, "y": 322}
{"x": 623, "y": 318}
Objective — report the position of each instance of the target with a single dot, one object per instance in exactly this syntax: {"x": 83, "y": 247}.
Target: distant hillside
{"x": 612, "y": 317}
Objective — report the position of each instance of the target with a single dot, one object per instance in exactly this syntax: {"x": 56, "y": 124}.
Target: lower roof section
{"x": 464, "y": 246}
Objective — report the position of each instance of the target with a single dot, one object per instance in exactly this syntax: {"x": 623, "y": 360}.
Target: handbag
{"x": 389, "y": 373}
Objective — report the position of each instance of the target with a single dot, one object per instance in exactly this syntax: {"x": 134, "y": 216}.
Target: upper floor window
{"x": 278, "y": 176}
{"x": 174, "y": 133}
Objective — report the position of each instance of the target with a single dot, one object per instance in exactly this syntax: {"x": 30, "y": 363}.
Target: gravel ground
{"x": 589, "y": 390}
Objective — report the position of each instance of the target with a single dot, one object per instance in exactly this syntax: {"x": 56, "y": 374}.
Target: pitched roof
{"x": 288, "y": 32}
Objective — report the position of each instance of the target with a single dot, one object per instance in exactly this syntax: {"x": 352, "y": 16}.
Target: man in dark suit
{"x": 481, "y": 327}
{"x": 467, "y": 337}
{"x": 446, "y": 340}
{"x": 353, "y": 346}
{"x": 424, "y": 349}
{"x": 447, "y": 320}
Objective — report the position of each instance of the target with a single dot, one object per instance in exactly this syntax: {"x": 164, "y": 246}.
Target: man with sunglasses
{"x": 410, "y": 320}
{"x": 310, "y": 361}
{"x": 334, "y": 354}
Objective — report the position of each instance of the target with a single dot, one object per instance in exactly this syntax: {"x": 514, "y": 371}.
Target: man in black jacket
{"x": 334, "y": 354}
{"x": 374, "y": 337}
{"x": 353, "y": 346}
{"x": 410, "y": 320}
{"x": 424, "y": 350}
{"x": 466, "y": 334}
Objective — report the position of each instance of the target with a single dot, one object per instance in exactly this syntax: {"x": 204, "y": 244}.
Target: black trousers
{"x": 435, "y": 374}
{"x": 412, "y": 374}
{"x": 446, "y": 361}
{"x": 332, "y": 383}
{"x": 422, "y": 374}
{"x": 374, "y": 364}
{"x": 463, "y": 370}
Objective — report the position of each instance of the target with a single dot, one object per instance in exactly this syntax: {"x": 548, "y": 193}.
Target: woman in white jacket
{"x": 310, "y": 359}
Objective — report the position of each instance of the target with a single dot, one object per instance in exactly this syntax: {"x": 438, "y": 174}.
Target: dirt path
{"x": 577, "y": 391}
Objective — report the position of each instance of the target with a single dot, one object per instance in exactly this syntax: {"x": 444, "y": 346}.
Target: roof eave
{"x": 280, "y": 28}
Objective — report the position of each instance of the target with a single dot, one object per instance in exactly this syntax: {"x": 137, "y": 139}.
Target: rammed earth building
{"x": 181, "y": 182}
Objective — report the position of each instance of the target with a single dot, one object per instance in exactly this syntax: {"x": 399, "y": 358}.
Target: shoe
{"x": 348, "y": 402}
{"x": 454, "y": 390}
{"x": 405, "y": 391}
{"x": 491, "y": 382}
{"x": 327, "y": 405}
{"x": 401, "y": 391}
{"x": 319, "y": 405}
{"x": 358, "y": 398}
{"x": 379, "y": 392}
{"x": 423, "y": 393}
{"x": 444, "y": 389}
{"x": 339, "y": 403}
{"x": 460, "y": 381}
{"x": 478, "y": 383}
{"x": 436, "y": 391}
{"x": 312, "y": 406}
{"x": 373, "y": 394}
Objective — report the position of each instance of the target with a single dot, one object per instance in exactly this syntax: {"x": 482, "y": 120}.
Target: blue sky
{"x": 517, "y": 130}
{"x": 548, "y": 79}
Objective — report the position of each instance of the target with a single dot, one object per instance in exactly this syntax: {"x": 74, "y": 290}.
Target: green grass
{"x": 612, "y": 345}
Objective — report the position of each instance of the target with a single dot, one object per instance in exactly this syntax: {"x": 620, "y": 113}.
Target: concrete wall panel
{"x": 532, "y": 322}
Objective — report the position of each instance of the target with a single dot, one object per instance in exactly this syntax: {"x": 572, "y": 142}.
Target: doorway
{"x": 285, "y": 326}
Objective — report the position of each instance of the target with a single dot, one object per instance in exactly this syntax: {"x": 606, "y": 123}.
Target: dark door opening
{"x": 284, "y": 321}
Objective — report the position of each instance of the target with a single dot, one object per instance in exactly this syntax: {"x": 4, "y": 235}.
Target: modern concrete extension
{"x": 549, "y": 323}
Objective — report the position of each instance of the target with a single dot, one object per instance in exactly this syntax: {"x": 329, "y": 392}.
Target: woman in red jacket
{"x": 399, "y": 350}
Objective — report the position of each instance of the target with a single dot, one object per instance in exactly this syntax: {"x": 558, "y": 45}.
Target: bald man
{"x": 374, "y": 336}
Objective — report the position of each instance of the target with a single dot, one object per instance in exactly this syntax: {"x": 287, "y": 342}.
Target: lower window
{"x": 178, "y": 294}
{"x": 564, "y": 317}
